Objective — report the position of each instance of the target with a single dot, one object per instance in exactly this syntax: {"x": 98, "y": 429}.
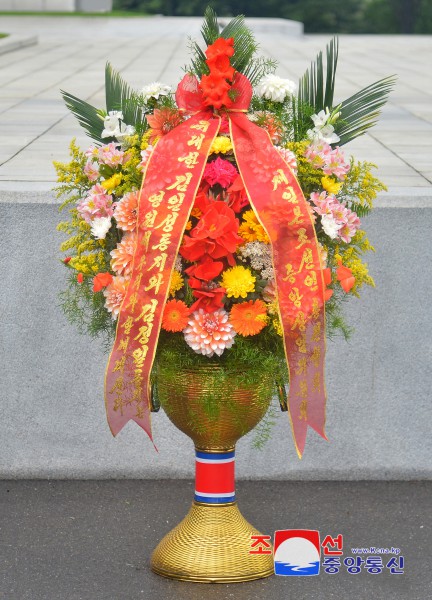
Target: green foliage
{"x": 120, "y": 96}
{"x": 262, "y": 432}
{"x": 263, "y": 353}
{"x": 86, "y": 310}
{"x": 356, "y": 114}
{"x": 89, "y": 117}
{"x": 361, "y": 111}
{"x": 315, "y": 90}
{"x": 244, "y": 60}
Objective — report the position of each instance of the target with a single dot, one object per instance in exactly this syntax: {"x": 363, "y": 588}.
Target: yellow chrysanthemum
{"x": 176, "y": 283}
{"x": 238, "y": 282}
{"x": 188, "y": 225}
{"x": 112, "y": 183}
{"x": 330, "y": 186}
{"x": 251, "y": 229}
{"x": 221, "y": 145}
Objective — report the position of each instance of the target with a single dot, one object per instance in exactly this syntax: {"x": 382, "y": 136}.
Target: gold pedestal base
{"x": 211, "y": 545}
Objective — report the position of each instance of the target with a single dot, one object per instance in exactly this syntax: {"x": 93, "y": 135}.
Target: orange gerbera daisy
{"x": 249, "y": 318}
{"x": 176, "y": 316}
{"x": 162, "y": 121}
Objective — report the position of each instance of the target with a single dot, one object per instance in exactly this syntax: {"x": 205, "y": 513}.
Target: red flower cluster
{"x": 216, "y": 85}
{"x": 214, "y": 237}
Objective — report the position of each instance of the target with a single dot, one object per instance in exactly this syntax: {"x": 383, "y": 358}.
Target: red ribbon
{"x": 169, "y": 188}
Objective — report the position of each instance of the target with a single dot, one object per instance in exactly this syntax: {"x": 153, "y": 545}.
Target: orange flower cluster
{"x": 217, "y": 84}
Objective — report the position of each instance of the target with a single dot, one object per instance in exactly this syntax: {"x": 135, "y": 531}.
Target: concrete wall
{"x": 379, "y": 385}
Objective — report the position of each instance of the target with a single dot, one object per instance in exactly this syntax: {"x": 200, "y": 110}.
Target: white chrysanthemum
{"x": 100, "y": 227}
{"x": 209, "y": 333}
{"x": 329, "y": 225}
{"x": 155, "y": 90}
{"x": 274, "y": 88}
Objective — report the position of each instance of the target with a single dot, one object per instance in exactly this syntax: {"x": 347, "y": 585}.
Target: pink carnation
{"x": 220, "y": 171}
{"x": 97, "y": 204}
{"x": 110, "y": 155}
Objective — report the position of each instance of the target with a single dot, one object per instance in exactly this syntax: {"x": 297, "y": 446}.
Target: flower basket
{"x": 214, "y": 235}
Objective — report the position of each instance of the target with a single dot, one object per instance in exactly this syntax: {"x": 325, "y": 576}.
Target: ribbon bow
{"x": 170, "y": 184}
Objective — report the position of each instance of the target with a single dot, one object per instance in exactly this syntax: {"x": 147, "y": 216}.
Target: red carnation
{"x": 220, "y": 171}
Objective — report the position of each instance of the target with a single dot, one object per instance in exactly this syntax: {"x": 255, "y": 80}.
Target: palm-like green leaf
{"x": 312, "y": 90}
{"x": 210, "y": 27}
{"x": 244, "y": 44}
{"x": 357, "y": 114}
{"x": 89, "y": 117}
{"x": 361, "y": 111}
{"x": 120, "y": 96}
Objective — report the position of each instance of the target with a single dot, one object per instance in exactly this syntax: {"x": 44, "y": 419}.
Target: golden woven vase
{"x": 213, "y": 542}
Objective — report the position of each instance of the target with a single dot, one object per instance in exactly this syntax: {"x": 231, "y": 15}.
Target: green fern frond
{"x": 89, "y": 117}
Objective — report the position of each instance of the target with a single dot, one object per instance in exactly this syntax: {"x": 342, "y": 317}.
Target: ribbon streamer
{"x": 169, "y": 188}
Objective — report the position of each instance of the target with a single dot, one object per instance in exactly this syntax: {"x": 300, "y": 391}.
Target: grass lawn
{"x": 114, "y": 13}
{"x": 2, "y": 35}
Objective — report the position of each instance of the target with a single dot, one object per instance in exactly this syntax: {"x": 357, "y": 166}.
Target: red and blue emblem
{"x": 297, "y": 552}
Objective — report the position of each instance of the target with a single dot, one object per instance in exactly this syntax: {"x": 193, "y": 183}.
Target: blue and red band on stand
{"x": 214, "y": 477}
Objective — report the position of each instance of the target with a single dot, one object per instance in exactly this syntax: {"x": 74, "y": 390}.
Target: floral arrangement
{"x": 222, "y": 299}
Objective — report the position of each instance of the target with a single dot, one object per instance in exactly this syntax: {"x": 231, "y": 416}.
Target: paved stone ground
{"x": 93, "y": 540}
{"x": 71, "y": 54}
